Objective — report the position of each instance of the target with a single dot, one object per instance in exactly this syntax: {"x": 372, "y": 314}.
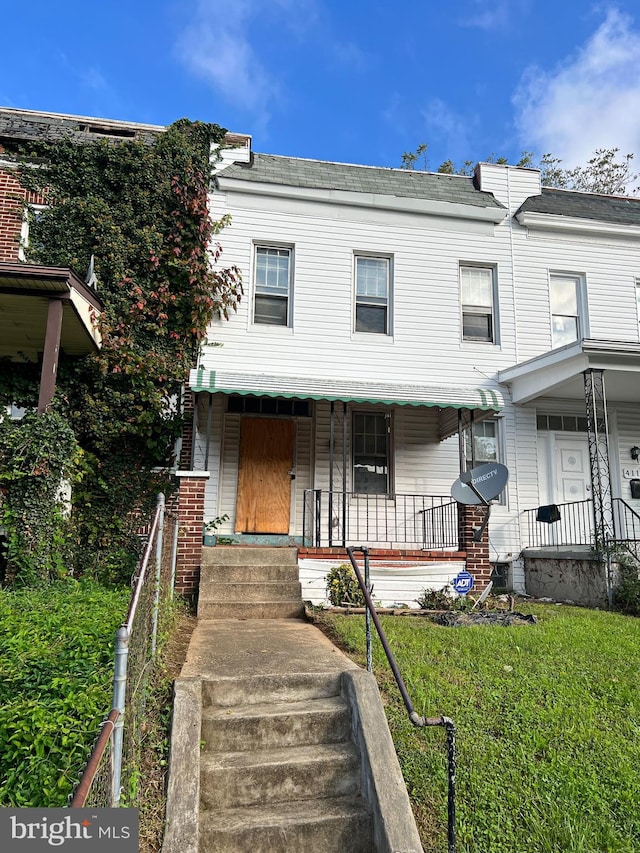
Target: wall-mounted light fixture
{"x": 635, "y": 452}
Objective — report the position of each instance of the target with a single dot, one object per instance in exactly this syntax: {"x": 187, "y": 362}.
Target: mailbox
{"x": 548, "y": 514}
{"x": 635, "y": 488}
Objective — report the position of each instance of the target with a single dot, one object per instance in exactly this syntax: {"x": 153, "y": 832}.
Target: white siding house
{"x": 390, "y": 315}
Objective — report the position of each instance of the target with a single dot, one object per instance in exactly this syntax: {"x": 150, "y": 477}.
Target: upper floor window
{"x": 638, "y": 303}
{"x": 272, "y": 302}
{"x": 373, "y": 288}
{"x": 30, "y": 214}
{"x": 477, "y": 288}
{"x": 565, "y": 298}
{"x": 371, "y": 443}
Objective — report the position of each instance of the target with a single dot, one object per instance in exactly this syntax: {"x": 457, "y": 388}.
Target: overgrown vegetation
{"x": 547, "y": 720}
{"x": 37, "y": 456}
{"x": 140, "y": 208}
{"x": 56, "y": 673}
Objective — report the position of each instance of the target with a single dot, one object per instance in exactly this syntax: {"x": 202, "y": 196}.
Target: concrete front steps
{"x": 249, "y": 582}
{"x": 279, "y": 772}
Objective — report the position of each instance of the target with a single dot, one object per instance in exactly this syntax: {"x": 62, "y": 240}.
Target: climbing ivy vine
{"x": 139, "y": 207}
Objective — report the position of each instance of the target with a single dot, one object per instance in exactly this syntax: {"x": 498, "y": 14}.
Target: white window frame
{"x": 488, "y": 309}
{"x": 638, "y": 304}
{"x": 375, "y": 301}
{"x": 580, "y": 315}
{"x": 262, "y": 289}
{"x": 31, "y": 210}
{"x": 479, "y": 427}
{"x": 386, "y": 416}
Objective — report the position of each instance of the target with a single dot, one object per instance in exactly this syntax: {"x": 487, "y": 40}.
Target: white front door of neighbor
{"x": 572, "y": 469}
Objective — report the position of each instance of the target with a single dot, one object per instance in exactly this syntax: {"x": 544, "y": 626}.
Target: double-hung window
{"x": 373, "y": 288}
{"x": 477, "y": 289}
{"x": 485, "y": 443}
{"x": 486, "y": 446}
{"x": 565, "y": 299}
{"x": 371, "y": 442}
{"x": 272, "y": 303}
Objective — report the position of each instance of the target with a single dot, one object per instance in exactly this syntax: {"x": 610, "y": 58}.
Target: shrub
{"x": 343, "y": 588}
{"x": 443, "y": 599}
{"x": 626, "y": 595}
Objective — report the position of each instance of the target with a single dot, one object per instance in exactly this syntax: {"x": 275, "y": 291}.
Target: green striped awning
{"x": 346, "y": 390}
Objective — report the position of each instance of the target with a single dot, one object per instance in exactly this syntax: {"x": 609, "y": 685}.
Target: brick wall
{"x": 190, "y": 519}
{"x": 471, "y": 517}
{"x": 12, "y": 199}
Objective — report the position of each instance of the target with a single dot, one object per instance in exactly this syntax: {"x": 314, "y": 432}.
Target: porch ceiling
{"x": 559, "y": 373}
{"x": 25, "y": 292}
{"x": 350, "y": 391}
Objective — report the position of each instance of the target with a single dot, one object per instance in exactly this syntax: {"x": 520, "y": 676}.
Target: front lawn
{"x": 56, "y": 675}
{"x": 548, "y": 728}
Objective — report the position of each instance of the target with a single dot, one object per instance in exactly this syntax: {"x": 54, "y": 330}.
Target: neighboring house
{"x": 399, "y": 327}
{"x": 43, "y": 310}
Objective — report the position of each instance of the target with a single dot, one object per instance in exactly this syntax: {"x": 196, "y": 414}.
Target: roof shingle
{"x": 403, "y": 183}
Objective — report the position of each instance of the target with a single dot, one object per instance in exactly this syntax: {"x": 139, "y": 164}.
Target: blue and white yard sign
{"x": 463, "y": 582}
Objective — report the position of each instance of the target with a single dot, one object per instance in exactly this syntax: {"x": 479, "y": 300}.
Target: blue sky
{"x": 342, "y": 80}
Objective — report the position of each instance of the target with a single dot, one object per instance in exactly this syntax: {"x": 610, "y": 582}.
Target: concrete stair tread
{"x": 285, "y": 756}
{"x": 269, "y": 689}
{"x": 276, "y": 814}
{"x": 307, "y": 707}
{"x": 246, "y": 555}
{"x": 328, "y": 825}
{"x": 278, "y": 609}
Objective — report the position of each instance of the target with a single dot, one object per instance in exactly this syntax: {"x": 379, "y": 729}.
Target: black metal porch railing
{"x": 416, "y": 719}
{"x": 627, "y": 526}
{"x": 412, "y": 521}
{"x": 574, "y": 526}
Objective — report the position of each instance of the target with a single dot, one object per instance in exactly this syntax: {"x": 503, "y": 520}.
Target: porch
{"x": 324, "y": 464}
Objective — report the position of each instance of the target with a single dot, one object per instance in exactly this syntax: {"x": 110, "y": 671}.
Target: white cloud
{"x": 493, "y": 14}
{"x": 219, "y": 46}
{"x": 450, "y": 129}
{"x": 591, "y": 100}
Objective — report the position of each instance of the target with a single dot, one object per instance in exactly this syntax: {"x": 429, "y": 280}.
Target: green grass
{"x": 548, "y": 728}
{"x": 56, "y": 671}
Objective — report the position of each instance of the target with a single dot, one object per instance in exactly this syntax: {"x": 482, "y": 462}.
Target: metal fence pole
{"x": 119, "y": 693}
{"x": 174, "y": 555}
{"x": 156, "y": 598}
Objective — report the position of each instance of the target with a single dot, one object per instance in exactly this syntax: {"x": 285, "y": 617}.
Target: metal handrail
{"x": 416, "y": 719}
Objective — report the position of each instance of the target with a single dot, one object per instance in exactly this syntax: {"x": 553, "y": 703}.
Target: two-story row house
{"x": 399, "y": 327}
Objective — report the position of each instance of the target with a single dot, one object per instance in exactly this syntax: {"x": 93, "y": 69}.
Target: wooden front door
{"x": 264, "y": 475}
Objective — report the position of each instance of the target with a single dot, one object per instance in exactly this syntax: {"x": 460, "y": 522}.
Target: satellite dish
{"x": 480, "y": 485}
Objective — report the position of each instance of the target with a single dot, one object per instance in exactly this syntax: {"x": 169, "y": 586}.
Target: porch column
{"x": 598, "y": 434}
{"x": 190, "y": 520}
{"x": 189, "y": 408}
{"x": 50, "y": 355}
{"x": 477, "y": 564}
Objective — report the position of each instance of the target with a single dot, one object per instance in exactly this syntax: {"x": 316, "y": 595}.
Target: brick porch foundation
{"x": 190, "y": 520}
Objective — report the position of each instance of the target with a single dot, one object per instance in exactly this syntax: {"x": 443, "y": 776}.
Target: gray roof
{"x": 582, "y": 205}
{"x": 318, "y": 174}
{"x": 32, "y": 126}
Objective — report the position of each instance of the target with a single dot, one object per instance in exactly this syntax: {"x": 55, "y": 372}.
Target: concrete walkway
{"x": 249, "y": 648}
